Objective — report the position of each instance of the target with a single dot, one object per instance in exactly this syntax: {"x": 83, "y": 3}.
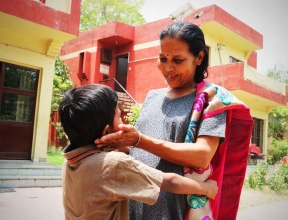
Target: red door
{"x": 18, "y": 92}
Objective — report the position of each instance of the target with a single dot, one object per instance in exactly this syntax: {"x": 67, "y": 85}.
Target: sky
{"x": 268, "y": 17}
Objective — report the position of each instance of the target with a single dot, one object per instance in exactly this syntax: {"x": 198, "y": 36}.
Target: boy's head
{"x": 88, "y": 112}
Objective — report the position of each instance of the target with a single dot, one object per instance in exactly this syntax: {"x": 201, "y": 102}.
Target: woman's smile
{"x": 171, "y": 77}
{"x": 176, "y": 62}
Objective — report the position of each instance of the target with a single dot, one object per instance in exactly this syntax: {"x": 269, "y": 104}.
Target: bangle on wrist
{"x": 139, "y": 138}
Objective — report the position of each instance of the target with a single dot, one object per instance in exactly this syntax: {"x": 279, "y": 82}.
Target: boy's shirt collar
{"x": 76, "y": 155}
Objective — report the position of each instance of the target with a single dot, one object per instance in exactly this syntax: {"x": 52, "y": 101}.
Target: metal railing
{"x": 124, "y": 90}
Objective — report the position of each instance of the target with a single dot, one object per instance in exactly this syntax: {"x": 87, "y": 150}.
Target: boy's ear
{"x": 105, "y": 130}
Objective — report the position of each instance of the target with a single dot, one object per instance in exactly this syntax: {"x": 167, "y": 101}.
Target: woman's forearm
{"x": 185, "y": 154}
{"x": 197, "y": 154}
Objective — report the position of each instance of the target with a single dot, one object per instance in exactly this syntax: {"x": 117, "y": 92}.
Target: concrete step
{"x": 30, "y": 181}
{"x": 24, "y": 173}
{"x": 31, "y": 171}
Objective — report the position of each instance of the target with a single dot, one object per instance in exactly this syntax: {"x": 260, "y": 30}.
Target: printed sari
{"x": 230, "y": 160}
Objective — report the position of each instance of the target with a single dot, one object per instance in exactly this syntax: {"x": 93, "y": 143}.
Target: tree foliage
{"x": 278, "y": 117}
{"x": 277, "y": 151}
{"x": 279, "y": 73}
{"x": 98, "y": 12}
{"x": 61, "y": 83}
{"x": 134, "y": 114}
{"x": 278, "y": 122}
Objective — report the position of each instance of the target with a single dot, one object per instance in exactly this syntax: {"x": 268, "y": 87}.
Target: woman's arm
{"x": 181, "y": 185}
{"x": 197, "y": 154}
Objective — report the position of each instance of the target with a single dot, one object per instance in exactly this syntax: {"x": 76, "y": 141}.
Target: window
{"x": 233, "y": 60}
{"x": 18, "y": 87}
{"x": 106, "y": 56}
{"x": 257, "y": 132}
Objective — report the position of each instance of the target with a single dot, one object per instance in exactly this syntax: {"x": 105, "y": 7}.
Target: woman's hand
{"x": 127, "y": 135}
{"x": 213, "y": 188}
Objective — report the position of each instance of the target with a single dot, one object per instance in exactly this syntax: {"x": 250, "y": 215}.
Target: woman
{"x": 159, "y": 134}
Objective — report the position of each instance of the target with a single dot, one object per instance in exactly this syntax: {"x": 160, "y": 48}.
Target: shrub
{"x": 277, "y": 151}
{"x": 278, "y": 180}
{"x": 54, "y": 155}
{"x": 134, "y": 114}
{"x": 52, "y": 150}
{"x": 257, "y": 179}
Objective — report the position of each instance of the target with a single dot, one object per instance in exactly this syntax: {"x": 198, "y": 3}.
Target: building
{"x": 31, "y": 35}
{"x": 120, "y": 54}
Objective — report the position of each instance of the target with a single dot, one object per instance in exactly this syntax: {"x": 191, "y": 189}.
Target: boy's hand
{"x": 213, "y": 188}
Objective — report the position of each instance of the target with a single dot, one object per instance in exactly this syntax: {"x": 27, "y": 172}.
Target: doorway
{"x": 18, "y": 92}
{"x": 121, "y": 73}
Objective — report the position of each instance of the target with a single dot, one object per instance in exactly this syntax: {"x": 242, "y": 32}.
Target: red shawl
{"x": 230, "y": 160}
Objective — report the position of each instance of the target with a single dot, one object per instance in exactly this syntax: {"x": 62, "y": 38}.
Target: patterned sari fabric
{"x": 230, "y": 160}
{"x": 199, "y": 205}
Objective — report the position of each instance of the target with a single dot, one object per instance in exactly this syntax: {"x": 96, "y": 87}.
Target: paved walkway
{"x": 271, "y": 211}
{"x": 46, "y": 204}
{"x": 32, "y": 204}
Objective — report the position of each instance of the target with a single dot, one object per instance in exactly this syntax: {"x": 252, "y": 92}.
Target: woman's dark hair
{"x": 194, "y": 37}
{"x": 85, "y": 111}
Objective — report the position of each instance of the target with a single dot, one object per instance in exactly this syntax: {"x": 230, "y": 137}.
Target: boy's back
{"x": 97, "y": 184}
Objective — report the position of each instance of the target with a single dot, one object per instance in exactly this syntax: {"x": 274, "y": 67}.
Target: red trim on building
{"x": 215, "y": 13}
{"x": 143, "y": 74}
{"x": 42, "y": 14}
{"x": 252, "y": 60}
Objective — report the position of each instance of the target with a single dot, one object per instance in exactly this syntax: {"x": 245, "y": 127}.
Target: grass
{"x": 54, "y": 156}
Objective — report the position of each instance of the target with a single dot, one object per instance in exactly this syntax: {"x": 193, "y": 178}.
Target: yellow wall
{"x": 251, "y": 74}
{"x": 45, "y": 65}
{"x": 225, "y": 51}
{"x": 258, "y": 107}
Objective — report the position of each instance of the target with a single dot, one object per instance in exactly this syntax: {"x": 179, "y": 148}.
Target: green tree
{"x": 278, "y": 149}
{"x": 98, "y": 12}
{"x": 61, "y": 83}
{"x": 278, "y": 122}
{"x": 278, "y": 117}
{"x": 279, "y": 72}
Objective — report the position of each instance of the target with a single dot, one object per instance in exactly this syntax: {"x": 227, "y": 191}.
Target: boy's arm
{"x": 181, "y": 185}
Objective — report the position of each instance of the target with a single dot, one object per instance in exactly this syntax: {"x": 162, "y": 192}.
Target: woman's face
{"x": 176, "y": 63}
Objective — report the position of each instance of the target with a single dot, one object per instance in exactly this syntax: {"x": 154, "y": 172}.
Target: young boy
{"x": 97, "y": 184}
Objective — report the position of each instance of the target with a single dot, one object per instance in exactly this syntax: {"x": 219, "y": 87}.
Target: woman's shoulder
{"x": 156, "y": 93}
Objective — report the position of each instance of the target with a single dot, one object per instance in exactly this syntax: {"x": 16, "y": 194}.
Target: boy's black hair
{"x": 85, "y": 111}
